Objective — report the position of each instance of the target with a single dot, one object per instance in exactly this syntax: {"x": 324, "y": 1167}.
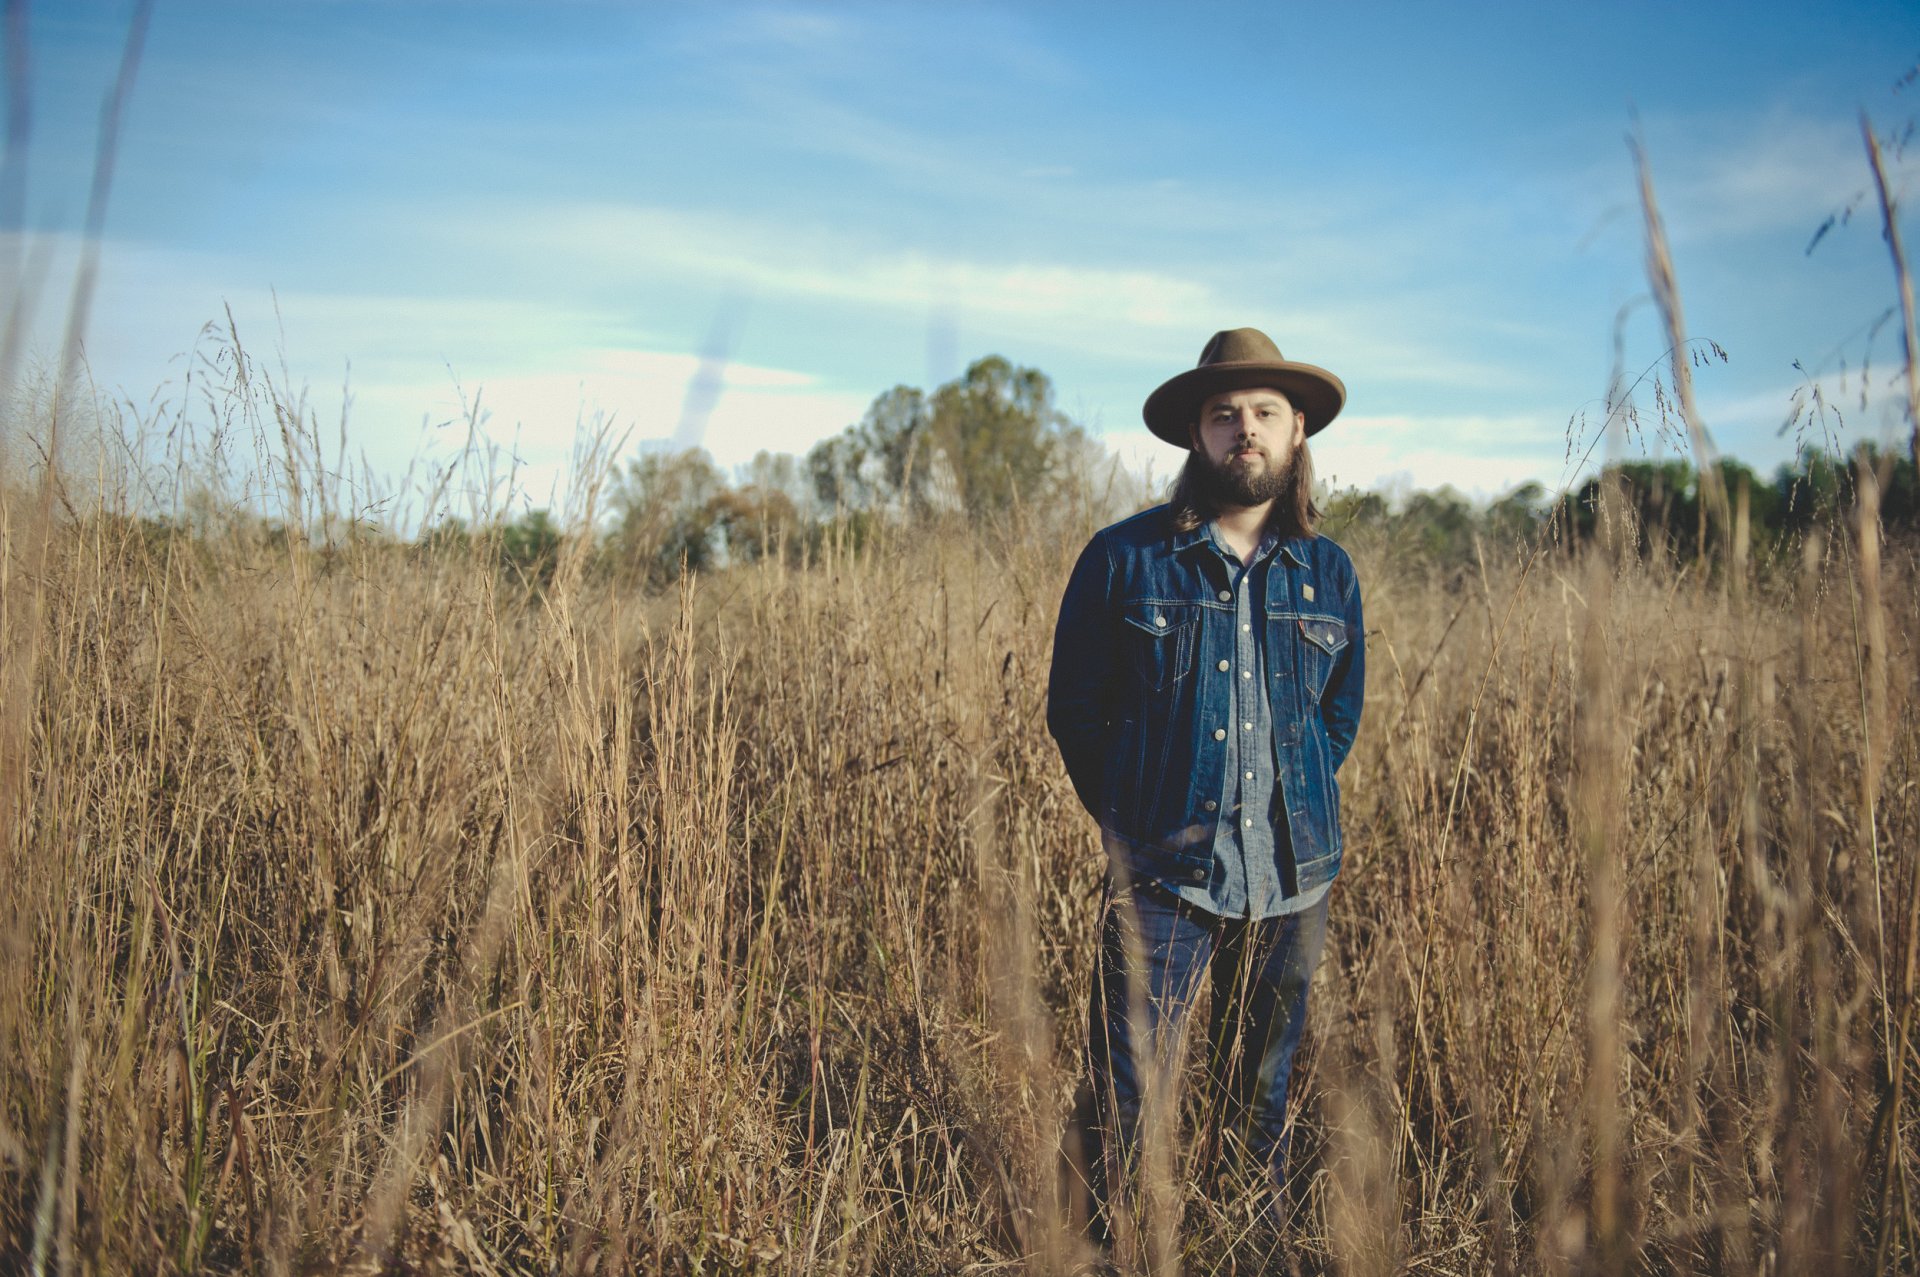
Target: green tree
{"x": 984, "y": 442}
{"x": 530, "y": 547}
{"x": 1818, "y": 487}
{"x": 448, "y": 535}
{"x": 999, "y": 434}
{"x": 1439, "y": 526}
{"x": 1514, "y": 520}
{"x": 1353, "y": 512}
{"x": 666, "y": 517}
{"x": 1663, "y": 511}
{"x": 872, "y": 464}
{"x": 763, "y": 517}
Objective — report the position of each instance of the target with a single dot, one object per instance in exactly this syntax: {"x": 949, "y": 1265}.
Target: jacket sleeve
{"x": 1341, "y": 703}
{"x": 1080, "y": 684}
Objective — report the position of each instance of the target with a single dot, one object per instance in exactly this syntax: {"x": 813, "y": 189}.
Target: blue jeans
{"x": 1155, "y": 950}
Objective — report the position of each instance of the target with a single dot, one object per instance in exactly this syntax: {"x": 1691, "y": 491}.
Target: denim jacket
{"x": 1139, "y": 707}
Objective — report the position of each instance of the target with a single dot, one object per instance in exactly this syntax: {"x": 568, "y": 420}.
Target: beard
{"x": 1241, "y": 483}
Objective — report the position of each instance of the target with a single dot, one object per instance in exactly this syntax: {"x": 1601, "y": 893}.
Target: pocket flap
{"x": 1157, "y": 619}
{"x": 1329, "y": 636}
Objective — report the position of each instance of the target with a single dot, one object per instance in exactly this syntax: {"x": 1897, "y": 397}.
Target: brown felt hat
{"x": 1241, "y": 359}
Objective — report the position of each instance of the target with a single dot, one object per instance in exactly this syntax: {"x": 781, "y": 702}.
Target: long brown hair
{"x": 1294, "y": 513}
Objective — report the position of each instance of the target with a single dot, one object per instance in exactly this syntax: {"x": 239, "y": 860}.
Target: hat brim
{"x": 1175, "y": 406}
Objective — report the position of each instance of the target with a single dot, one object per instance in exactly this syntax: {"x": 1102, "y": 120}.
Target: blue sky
{"x": 563, "y": 206}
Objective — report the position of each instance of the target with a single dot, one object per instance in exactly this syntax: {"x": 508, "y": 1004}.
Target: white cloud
{"x": 1787, "y": 176}
{"x": 406, "y": 371}
{"x": 1480, "y": 456}
{"x": 537, "y": 421}
{"x": 1782, "y": 171}
{"x": 1118, "y": 313}
{"x": 1835, "y": 411}
{"x": 1094, "y": 307}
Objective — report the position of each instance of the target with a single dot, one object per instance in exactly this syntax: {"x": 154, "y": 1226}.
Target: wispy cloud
{"x": 1100, "y": 307}
{"x": 1786, "y": 174}
{"x": 1723, "y": 173}
{"x": 1116, "y": 312}
{"x": 1834, "y": 410}
{"x": 406, "y": 372}
{"x": 1479, "y": 455}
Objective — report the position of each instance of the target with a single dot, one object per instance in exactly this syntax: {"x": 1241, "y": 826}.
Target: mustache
{"x": 1233, "y": 480}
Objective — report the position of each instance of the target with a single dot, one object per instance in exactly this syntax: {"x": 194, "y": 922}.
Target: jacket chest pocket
{"x": 1321, "y": 639}
{"x": 1159, "y": 641}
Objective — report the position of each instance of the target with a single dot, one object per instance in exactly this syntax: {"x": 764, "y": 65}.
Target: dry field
{"x": 367, "y": 910}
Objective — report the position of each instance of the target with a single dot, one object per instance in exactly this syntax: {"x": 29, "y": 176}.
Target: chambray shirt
{"x": 1247, "y": 842}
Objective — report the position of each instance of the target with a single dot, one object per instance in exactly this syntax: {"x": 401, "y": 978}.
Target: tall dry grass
{"x": 368, "y": 910}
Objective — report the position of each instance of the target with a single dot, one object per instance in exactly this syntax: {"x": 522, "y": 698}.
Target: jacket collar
{"x": 1185, "y": 541}
{"x": 1293, "y": 547}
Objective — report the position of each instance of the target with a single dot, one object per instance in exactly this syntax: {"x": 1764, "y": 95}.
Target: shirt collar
{"x": 1211, "y": 530}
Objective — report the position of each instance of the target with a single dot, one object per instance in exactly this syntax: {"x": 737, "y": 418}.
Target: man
{"x": 1206, "y": 685}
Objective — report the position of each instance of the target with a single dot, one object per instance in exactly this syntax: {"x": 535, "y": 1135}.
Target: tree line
{"x": 1653, "y": 508}
{"x": 992, "y": 443}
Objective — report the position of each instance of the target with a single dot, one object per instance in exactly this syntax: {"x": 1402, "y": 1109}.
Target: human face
{"x": 1248, "y": 439}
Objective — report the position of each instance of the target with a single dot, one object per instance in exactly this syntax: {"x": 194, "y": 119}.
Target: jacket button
{"x": 1212, "y": 805}
{"x": 1219, "y": 733}
{"x": 1226, "y": 596}
{"x": 1160, "y": 621}
{"x": 1199, "y": 875}
{"x": 1225, "y": 666}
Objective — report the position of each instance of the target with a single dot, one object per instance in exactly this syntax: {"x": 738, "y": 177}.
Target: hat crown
{"x": 1241, "y": 359}
{"x": 1240, "y": 346}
